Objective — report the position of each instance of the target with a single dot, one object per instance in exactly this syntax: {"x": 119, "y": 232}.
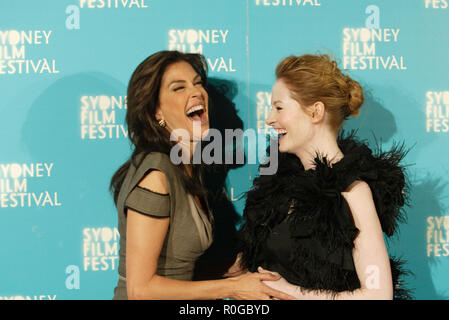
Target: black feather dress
{"x": 298, "y": 224}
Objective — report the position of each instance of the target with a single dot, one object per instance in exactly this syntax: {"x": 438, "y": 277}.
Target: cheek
{"x": 287, "y": 119}
{"x": 205, "y": 97}
{"x": 204, "y": 94}
{"x": 297, "y": 119}
{"x": 174, "y": 109}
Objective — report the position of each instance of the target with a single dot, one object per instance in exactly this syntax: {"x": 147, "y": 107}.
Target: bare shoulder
{"x": 155, "y": 181}
{"x": 358, "y": 188}
{"x": 360, "y": 200}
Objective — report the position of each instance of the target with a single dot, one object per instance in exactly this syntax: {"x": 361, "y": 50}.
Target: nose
{"x": 195, "y": 92}
{"x": 270, "y": 119}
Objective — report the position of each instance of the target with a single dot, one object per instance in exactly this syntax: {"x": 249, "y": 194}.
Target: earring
{"x": 162, "y": 123}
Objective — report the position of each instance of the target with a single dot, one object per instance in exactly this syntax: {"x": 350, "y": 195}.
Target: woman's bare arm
{"x": 145, "y": 237}
{"x": 370, "y": 254}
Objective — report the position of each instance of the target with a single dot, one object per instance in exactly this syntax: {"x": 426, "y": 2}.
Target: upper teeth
{"x": 194, "y": 109}
{"x": 281, "y": 131}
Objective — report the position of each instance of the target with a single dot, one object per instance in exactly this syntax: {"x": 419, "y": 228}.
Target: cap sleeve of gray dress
{"x": 142, "y": 200}
{"x": 148, "y": 202}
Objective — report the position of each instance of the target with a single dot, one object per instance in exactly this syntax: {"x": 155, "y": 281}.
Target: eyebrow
{"x": 183, "y": 81}
{"x": 175, "y": 81}
{"x": 277, "y": 101}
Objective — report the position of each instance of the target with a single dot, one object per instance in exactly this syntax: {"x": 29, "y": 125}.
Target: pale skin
{"x": 307, "y": 132}
{"x": 146, "y": 235}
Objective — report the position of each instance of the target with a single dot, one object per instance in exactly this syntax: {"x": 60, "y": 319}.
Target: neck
{"x": 188, "y": 147}
{"x": 323, "y": 144}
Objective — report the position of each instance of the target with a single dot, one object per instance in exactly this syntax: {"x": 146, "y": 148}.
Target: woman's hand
{"x": 250, "y": 286}
{"x": 282, "y": 285}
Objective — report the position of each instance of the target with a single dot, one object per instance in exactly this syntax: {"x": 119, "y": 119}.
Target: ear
{"x": 158, "y": 114}
{"x": 318, "y": 110}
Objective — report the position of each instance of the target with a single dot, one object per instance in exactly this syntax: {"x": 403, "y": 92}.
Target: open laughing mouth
{"x": 281, "y": 133}
{"x": 197, "y": 113}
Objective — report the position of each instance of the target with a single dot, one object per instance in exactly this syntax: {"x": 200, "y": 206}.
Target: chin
{"x": 197, "y": 136}
{"x": 283, "y": 149}
{"x": 204, "y": 133}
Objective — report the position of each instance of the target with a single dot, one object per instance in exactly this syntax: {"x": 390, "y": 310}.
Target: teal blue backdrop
{"x": 64, "y": 69}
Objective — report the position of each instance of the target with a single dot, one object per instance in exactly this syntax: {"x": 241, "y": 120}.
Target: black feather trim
{"x": 321, "y": 227}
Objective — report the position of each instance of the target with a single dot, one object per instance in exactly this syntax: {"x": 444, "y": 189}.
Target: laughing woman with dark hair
{"x": 163, "y": 217}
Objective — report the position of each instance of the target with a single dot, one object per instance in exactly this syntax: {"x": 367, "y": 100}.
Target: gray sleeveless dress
{"x": 189, "y": 233}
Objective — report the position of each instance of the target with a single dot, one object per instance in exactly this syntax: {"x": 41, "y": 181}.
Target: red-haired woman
{"x": 319, "y": 221}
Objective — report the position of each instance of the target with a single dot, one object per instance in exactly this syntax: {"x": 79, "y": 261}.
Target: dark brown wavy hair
{"x": 144, "y": 131}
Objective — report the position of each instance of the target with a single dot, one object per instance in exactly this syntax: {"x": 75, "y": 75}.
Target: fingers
{"x": 269, "y": 276}
{"x": 262, "y": 270}
{"x": 260, "y": 291}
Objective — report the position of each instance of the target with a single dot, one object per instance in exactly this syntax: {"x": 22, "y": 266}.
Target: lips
{"x": 281, "y": 132}
{"x": 197, "y": 112}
